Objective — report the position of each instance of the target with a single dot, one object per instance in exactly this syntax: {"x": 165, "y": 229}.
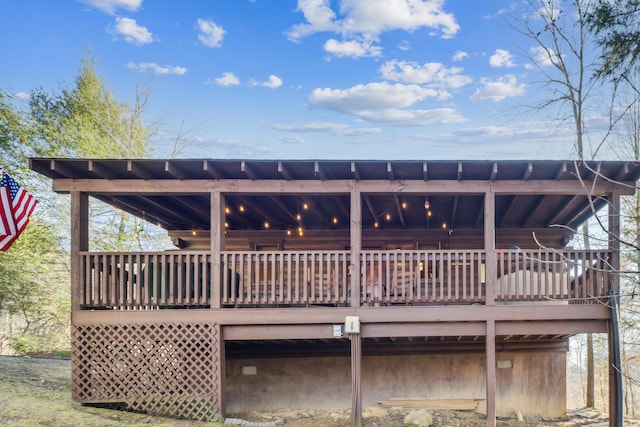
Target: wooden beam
{"x": 354, "y": 171}
{"x": 174, "y": 170}
{"x": 562, "y": 171}
{"x": 528, "y": 172}
{"x": 248, "y": 170}
{"x": 494, "y": 172}
{"x": 284, "y": 171}
{"x": 208, "y": 167}
{"x": 393, "y": 318}
{"x": 454, "y": 211}
{"x": 99, "y": 169}
{"x": 132, "y": 186}
{"x": 400, "y": 210}
{"x": 319, "y": 171}
{"x": 138, "y": 170}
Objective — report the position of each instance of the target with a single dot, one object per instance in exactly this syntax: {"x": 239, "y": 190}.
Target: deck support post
{"x": 356, "y": 389}
{"x": 219, "y": 361}
{"x": 79, "y": 243}
{"x": 491, "y": 271}
{"x": 615, "y": 380}
{"x": 491, "y": 372}
{"x": 355, "y": 228}
{"x": 217, "y": 245}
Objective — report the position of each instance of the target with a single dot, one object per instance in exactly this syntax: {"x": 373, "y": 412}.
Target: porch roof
{"x": 191, "y": 211}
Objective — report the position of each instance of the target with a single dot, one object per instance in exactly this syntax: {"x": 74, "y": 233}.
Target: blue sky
{"x": 312, "y": 79}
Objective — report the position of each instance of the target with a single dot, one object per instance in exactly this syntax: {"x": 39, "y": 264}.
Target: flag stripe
{"x": 16, "y": 206}
{"x": 7, "y": 224}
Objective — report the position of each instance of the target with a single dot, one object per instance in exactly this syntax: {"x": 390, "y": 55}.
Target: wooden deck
{"x": 183, "y": 279}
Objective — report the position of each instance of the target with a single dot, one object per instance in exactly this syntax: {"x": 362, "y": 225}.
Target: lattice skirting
{"x": 159, "y": 368}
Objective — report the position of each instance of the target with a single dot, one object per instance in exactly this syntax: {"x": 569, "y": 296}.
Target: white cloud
{"x": 111, "y": 6}
{"x": 502, "y": 58}
{"x": 328, "y": 127}
{"x": 157, "y": 69}
{"x": 360, "y": 22}
{"x": 541, "y": 57}
{"x": 371, "y": 96}
{"x": 274, "y": 82}
{"x": 404, "y": 45}
{"x": 460, "y": 55}
{"x": 292, "y": 139}
{"x": 22, "y": 95}
{"x": 131, "y": 32}
{"x": 502, "y": 88}
{"x": 227, "y": 79}
{"x": 384, "y": 103}
{"x": 401, "y": 117}
{"x": 352, "y": 48}
{"x": 430, "y": 73}
{"x": 373, "y": 17}
{"x": 210, "y": 34}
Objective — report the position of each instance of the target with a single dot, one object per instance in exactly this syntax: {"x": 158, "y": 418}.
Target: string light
{"x": 376, "y": 224}
{"x": 298, "y": 217}
{"x": 444, "y": 225}
{"x": 404, "y": 205}
{"x": 227, "y": 210}
{"x": 305, "y": 206}
{"x": 266, "y": 224}
{"x": 388, "y": 217}
{"x": 335, "y": 220}
{"x": 241, "y": 208}
{"x": 193, "y": 232}
{"x": 226, "y": 224}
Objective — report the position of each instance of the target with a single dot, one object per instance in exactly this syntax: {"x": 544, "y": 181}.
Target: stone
{"x": 419, "y": 418}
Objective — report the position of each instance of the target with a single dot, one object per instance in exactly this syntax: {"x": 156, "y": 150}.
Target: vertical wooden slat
{"x": 143, "y": 273}
{"x": 305, "y": 281}
{"x": 108, "y": 275}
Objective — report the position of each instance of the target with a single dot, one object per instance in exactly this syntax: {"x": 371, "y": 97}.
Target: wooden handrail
{"x": 183, "y": 279}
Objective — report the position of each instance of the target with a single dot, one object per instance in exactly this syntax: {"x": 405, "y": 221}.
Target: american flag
{"x": 16, "y": 206}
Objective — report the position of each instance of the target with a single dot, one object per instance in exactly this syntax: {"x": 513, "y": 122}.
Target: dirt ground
{"x": 37, "y": 392}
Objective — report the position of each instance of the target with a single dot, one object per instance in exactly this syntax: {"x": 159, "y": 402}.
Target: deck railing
{"x": 183, "y": 279}
{"x": 286, "y": 278}
{"x": 145, "y": 279}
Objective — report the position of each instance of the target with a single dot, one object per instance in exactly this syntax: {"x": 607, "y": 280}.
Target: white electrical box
{"x": 337, "y": 331}
{"x": 352, "y": 325}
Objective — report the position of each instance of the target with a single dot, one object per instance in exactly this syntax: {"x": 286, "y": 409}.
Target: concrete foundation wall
{"x": 533, "y": 382}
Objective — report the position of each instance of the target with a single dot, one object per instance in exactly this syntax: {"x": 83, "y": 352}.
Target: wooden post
{"x": 491, "y": 372}
{"x": 219, "y": 362}
{"x": 217, "y": 245}
{"x": 356, "y": 389}
{"x": 491, "y": 271}
{"x": 615, "y": 389}
{"x": 356, "y": 244}
{"x": 79, "y": 243}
